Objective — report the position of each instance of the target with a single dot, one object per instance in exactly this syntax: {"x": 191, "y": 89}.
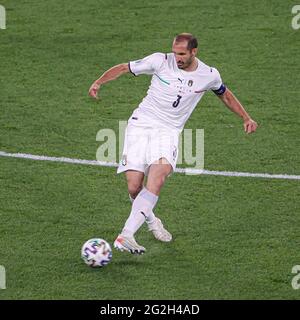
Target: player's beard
{"x": 184, "y": 65}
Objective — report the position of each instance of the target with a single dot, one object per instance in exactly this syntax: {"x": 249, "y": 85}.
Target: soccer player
{"x": 179, "y": 81}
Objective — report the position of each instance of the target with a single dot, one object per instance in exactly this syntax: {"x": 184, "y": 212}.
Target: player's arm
{"x": 235, "y": 106}
{"x": 109, "y": 75}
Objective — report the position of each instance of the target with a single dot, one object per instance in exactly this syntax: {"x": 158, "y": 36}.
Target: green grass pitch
{"x": 234, "y": 238}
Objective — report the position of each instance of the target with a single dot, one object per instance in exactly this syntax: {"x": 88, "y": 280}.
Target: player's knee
{"x": 161, "y": 176}
{"x": 160, "y": 181}
{"x": 155, "y": 185}
{"x": 134, "y": 189}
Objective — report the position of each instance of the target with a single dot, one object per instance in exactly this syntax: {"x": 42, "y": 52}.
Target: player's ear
{"x": 194, "y": 51}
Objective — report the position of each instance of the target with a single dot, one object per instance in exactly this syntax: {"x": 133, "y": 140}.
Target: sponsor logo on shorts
{"x": 174, "y": 153}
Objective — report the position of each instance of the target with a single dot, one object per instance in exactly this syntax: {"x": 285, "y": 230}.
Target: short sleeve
{"x": 217, "y": 85}
{"x": 147, "y": 65}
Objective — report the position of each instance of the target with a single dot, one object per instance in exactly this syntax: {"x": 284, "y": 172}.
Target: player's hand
{"x": 93, "y": 91}
{"x": 250, "y": 125}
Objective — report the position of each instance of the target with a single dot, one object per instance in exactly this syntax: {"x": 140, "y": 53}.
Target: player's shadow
{"x": 129, "y": 261}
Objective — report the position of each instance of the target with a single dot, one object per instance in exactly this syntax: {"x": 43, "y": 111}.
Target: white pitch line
{"x": 179, "y": 170}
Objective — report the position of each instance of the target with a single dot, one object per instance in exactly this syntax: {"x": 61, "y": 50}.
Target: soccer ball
{"x": 96, "y": 252}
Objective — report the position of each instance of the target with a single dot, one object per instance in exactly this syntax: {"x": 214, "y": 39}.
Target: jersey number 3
{"x": 176, "y": 102}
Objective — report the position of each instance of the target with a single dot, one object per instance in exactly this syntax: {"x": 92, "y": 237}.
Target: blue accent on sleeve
{"x": 221, "y": 90}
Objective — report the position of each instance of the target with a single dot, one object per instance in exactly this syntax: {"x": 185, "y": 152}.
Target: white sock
{"x": 151, "y": 216}
{"x": 141, "y": 210}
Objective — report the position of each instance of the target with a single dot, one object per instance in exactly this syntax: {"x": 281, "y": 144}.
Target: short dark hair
{"x": 191, "y": 40}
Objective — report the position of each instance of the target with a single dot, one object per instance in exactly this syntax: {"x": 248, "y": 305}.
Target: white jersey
{"x": 173, "y": 93}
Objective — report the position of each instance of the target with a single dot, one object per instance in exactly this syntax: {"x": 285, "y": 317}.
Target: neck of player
{"x": 193, "y": 66}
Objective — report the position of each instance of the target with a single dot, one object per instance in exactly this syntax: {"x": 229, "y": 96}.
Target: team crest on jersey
{"x": 124, "y": 160}
{"x": 190, "y": 83}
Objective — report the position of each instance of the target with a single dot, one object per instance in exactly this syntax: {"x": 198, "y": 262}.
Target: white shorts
{"x": 145, "y": 145}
